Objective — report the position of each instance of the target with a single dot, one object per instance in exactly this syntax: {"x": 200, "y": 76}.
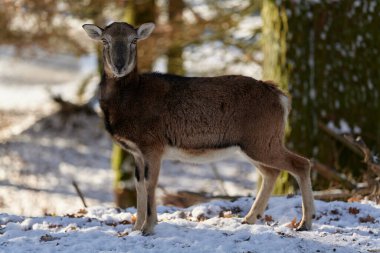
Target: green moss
{"x": 274, "y": 45}
{"x": 332, "y": 56}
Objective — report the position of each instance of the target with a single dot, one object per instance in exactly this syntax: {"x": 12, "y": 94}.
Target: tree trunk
{"x": 328, "y": 53}
{"x": 123, "y": 163}
{"x": 275, "y": 28}
{"x": 174, "y": 53}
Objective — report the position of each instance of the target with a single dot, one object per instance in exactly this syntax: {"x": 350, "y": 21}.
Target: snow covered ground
{"x": 41, "y": 152}
{"x": 211, "y": 227}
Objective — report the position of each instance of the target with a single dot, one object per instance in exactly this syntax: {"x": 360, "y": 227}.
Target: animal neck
{"x": 113, "y": 87}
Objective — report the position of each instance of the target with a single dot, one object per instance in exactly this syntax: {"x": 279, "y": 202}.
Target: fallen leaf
{"x": 268, "y": 218}
{"x": 133, "y": 219}
{"x": 353, "y": 210}
{"x": 48, "y": 238}
{"x": 334, "y": 219}
{"x": 124, "y": 222}
{"x": 282, "y": 234}
{"x": 49, "y": 214}
{"x": 367, "y": 219}
{"x": 112, "y": 224}
{"x": 293, "y": 223}
{"x": 82, "y": 211}
{"x": 201, "y": 217}
{"x": 182, "y": 215}
{"x": 74, "y": 215}
{"x": 122, "y": 234}
{"x": 54, "y": 226}
{"x": 235, "y": 210}
{"x": 355, "y": 199}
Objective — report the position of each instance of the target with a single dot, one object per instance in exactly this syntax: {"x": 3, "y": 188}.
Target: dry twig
{"x": 369, "y": 158}
{"x": 80, "y": 194}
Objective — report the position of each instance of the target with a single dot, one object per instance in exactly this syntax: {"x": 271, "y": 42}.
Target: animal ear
{"x": 93, "y": 31}
{"x": 145, "y": 30}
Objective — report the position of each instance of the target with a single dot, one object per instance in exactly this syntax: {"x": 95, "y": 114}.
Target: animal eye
{"x": 134, "y": 41}
{"x": 105, "y": 41}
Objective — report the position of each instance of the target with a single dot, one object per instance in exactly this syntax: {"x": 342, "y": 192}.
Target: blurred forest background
{"x": 325, "y": 54}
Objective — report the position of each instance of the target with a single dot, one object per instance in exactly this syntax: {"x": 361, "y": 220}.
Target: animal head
{"x": 119, "y": 44}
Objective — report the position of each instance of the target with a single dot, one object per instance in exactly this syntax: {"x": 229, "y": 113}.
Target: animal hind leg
{"x": 282, "y": 159}
{"x": 302, "y": 176}
{"x": 269, "y": 176}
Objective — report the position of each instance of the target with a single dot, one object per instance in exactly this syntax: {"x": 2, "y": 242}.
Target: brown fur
{"x": 149, "y": 113}
{"x": 192, "y": 113}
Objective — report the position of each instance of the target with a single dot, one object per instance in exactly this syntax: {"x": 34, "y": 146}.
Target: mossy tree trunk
{"x": 330, "y": 61}
{"x": 174, "y": 52}
{"x": 275, "y": 28}
{"x": 123, "y": 163}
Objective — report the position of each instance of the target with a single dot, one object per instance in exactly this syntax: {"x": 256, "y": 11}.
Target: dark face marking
{"x": 137, "y": 174}
{"x": 120, "y": 57}
{"x": 146, "y": 172}
{"x": 149, "y": 209}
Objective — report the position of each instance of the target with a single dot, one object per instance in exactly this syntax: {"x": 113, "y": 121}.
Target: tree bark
{"x": 174, "y": 53}
{"x": 331, "y": 73}
{"x": 275, "y": 29}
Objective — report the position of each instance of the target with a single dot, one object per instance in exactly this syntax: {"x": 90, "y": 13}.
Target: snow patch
{"x": 338, "y": 227}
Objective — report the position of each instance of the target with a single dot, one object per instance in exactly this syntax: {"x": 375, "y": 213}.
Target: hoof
{"x": 147, "y": 229}
{"x": 244, "y": 221}
{"x": 248, "y": 221}
{"x": 137, "y": 227}
{"x": 251, "y": 219}
{"x": 304, "y": 227}
{"x": 147, "y": 232}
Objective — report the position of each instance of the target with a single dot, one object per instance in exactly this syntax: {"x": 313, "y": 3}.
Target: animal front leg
{"x": 152, "y": 171}
{"x": 141, "y": 198}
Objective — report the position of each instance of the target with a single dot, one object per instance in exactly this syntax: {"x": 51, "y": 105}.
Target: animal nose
{"x": 119, "y": 65}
